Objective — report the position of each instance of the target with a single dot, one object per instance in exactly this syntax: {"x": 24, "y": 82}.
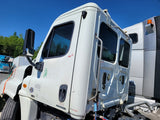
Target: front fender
{"x": 10, "y": 85}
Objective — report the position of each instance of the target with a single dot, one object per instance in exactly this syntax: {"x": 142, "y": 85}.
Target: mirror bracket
{"x": 37, "y": 65}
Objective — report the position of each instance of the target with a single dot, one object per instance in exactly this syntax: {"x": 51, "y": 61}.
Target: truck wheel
{"x": 11, "y": 110}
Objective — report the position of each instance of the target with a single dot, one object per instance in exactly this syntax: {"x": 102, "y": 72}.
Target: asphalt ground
{"x": 3, "y": 76}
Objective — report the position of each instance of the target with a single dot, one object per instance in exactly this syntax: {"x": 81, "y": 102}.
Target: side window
{"x": 124, "y": 51}
{"x": 134, "y": 37}
{"x": 46, "y": 47}
{"x": 109, "y": 38}
{"x": 58, "y": 42}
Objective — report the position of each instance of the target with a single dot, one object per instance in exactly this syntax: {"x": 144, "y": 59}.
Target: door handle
{"x": 104, "y": 81}
{"x": 62, "y": 93}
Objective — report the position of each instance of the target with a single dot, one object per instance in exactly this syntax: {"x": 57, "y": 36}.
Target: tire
{"x": 11, "y": 110}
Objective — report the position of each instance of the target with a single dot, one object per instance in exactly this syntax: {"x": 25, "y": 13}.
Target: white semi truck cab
{"x": 81, "y": 70}
{"x": 145, "y": 60}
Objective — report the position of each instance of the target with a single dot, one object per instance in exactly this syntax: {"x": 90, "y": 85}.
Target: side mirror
{"x": 28, "y": 47}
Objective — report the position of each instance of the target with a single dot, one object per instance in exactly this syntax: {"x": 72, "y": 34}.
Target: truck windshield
{"x": 58, "y": 42}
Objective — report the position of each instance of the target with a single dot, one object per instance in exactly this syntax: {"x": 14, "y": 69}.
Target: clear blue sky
{"x": 19, "y": 15}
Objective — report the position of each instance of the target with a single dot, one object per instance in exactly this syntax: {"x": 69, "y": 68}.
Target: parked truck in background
{"x": 145, "y": 60}
{"x": 80, "y": 72}
{"x": 5, "y": 64}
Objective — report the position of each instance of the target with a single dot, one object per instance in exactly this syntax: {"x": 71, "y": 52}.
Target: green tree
{"x": 36, "y": 51}
{"x": 12, "y": 45}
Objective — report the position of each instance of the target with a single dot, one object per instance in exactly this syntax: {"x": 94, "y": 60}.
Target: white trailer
{"x": 145, "y": 60}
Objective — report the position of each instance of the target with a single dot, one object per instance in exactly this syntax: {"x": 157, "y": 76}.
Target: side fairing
{"x": 9, "y": 86}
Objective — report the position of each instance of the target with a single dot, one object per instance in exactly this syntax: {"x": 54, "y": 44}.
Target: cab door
{"x": 52, "y": 86}
{"x": 109, "y": 70}
{"x": 114, "y": 72}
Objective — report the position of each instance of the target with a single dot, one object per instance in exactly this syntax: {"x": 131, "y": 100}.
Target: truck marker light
{"x": 149, "y": 21}
{"x": 24, "y": 85}
{"x": 149, "y": 27}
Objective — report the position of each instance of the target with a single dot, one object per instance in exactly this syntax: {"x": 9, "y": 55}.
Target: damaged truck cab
{"x": 82, "y": 67}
